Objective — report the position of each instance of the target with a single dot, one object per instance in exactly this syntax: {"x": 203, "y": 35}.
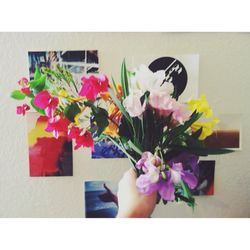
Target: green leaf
{"x": 37, "y": 74}
{"x": 18, "y": 95}
{"x": 134, "y": 147}
{"x": 187, "y": 194}
{"x": 175, "y": 132}
{"x": 124, "y": 80}
{"x": 71, "y": 111}
{"x": 38, "y": 85}
{"x": 120, "y": 106}
{"x": 100, "y": 116}
{"x": 41, "y": 111}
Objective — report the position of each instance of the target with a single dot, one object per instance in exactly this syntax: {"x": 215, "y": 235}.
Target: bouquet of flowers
{"x": 161, "y": 136}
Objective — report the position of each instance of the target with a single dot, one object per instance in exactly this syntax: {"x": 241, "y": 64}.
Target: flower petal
{"x": 190, "y": 179}
{"x": 167, "y": 190}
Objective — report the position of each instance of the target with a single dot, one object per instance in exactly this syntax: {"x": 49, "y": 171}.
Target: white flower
{"x": 133, "y": 106}
{"x": 145, "y": 80}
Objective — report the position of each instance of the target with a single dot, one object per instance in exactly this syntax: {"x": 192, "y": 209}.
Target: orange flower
{"x": 114, "y": 120}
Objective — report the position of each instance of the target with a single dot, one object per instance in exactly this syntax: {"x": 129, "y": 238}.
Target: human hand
{"x": 133, "y": 204}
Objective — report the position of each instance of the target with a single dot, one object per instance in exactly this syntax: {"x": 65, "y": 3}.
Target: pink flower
{"x": 23, "y": 82}
{"x": 45, "y": 101}
{"x": 166, "y": 105}
{"x": 93, "y": 85}
{"x": 181, "y": 113}
{"x": 57, "y": 124}
{"x": 133, "y": 106}
{"x": 21, "y": 110}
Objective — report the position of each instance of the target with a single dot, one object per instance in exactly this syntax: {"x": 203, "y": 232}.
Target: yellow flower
{"x": 201, "y": 106}
{"x": 63, "y": 93}
{"x": 111, "y": 129}
{"x": 207, "y": 127}
{"x": 115, "y": 117}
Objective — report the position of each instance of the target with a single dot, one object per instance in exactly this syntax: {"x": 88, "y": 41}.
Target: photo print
{"x": 227, "y": 133}
{"x": 78, "y": 62}
{"x": 100, "y": 199}
{"x": 48, "y": 156}
{"x": 205, "y": 175}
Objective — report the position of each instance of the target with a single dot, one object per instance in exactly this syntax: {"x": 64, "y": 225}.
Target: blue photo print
{"x": 106, "y": 149}
{"x": 100, "y": 199}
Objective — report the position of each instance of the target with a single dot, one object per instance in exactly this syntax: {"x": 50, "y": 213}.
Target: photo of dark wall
{"x": 205, "y": 178}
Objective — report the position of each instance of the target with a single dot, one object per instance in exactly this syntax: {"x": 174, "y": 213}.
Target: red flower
{"x": 57, "y": 124}
{"x": 26, "y": 90}
{"x": 74, "y": 132}
{"x": 92, "y": 86}
{"x": 21, "y": 110}
{"x": 82, "y": 137}
{"x": 84, "y": 140}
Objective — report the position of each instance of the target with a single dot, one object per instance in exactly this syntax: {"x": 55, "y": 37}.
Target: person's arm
{"x": 133, "y": 204}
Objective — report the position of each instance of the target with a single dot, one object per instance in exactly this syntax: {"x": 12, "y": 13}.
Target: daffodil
{"x": 208, "y": 120}
{"x": 201, "y": 105}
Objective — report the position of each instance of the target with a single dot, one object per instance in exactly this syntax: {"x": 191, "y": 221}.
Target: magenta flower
{"x": 57, "y": 124}
{"x": 21, "y": 110}
{"x": 45, "y": 101}
{"x": 93, "y": 85}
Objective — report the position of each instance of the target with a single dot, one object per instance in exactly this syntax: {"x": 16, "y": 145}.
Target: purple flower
{"x": 161, "y": 178}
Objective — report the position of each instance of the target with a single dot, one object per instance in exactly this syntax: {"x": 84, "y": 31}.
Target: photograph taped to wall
{"x": 227, "y": 133}
{"x": 100, "y": 199}
{"x": 77, "y": 62}
{"x": 205, "y": 175}
{"x": 48, "y": 156}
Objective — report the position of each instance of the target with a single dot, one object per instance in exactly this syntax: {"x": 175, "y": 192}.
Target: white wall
{"x": 224, "y": 77}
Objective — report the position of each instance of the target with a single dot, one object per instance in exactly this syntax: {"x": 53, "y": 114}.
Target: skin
{"x": 133, "y": 204}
